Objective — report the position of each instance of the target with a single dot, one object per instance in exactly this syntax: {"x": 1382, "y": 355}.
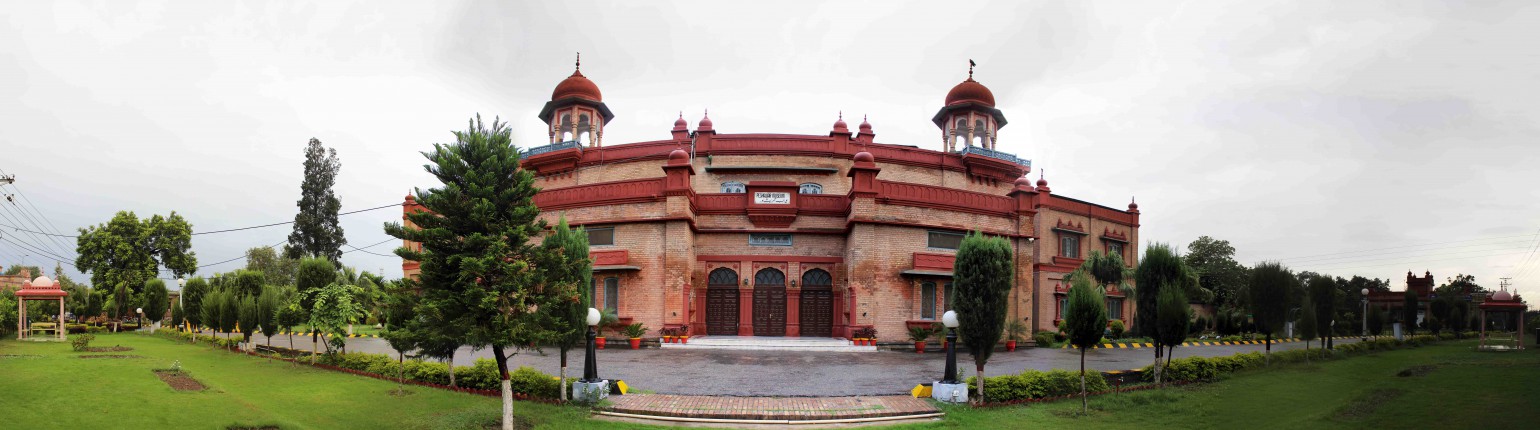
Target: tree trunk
{"x": 502, "y": 368}
{"x": 1307, "y": 352}
{"x": 980, "y": 377}
{"x": 563, "y": 374}
{"x": 1267, "y": 359}
{"x": 1084, "y": 406}
{"x": 451, "y": 363}
{"x": 400, "y": 372}
{"x": 1156, "y": 367}
{"x": 313, "y": 347}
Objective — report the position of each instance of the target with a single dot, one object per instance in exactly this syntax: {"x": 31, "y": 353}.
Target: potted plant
{"x": 939, "y": 330}
{"x": 667, "y": 335}
{"x": 682, "y": 335}
{"x": 607, "y": 320}
{"x": 919, "y": 335}
{"x": 635, "y": 331}
{"x": 1014, "y": 331}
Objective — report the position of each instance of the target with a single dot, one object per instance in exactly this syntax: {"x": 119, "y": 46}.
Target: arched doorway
{"x": 770, "y": 303}
{"x": 816, "y": 310}
{"x": 722, "y": 302}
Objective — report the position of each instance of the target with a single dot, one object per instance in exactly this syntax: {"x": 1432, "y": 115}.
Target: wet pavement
{"x": 793, "y": 373}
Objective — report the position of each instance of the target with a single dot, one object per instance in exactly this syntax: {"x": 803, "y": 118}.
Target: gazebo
{"x": 1502, "y": 302}
{"x": 41, "y": 288}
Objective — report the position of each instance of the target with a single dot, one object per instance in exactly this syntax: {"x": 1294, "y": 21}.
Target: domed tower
{"x": 969, "y": 117}
{"x": 576, "y": 112}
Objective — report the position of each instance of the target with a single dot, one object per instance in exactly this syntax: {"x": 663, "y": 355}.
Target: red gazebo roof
{"x": 40, "y": 287}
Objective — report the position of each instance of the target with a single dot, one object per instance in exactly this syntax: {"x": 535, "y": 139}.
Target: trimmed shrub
{"x": 81, "y": 342}
{"x": 1117, "y": 329}
{"x": 1035, "y": 384}
{"x": 1045, "y": 339}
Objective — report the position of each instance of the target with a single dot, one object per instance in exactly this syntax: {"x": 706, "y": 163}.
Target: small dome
{"x": 680, "y": 123}
{"x": 578, "y": 86}
{"x": 865, "y": 157}
{"x": 411, "y": 197}
{"x": 705, "y": 121}
{"x": 1023, "y": 182}
{"x": 1042, "y": 182}
{"x": 866, "y": 127}
{"x": 1502, "y": 296}
{"x": 42, "y": 282}
{"x": 969, "y": 91}
{"x": 839, "y": 124}
{"x": 678, "y": 155}
{"x": 1133, "y": 206}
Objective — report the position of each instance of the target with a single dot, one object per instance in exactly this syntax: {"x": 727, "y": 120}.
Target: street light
{"x": 140, "y": 311}
{"x": 1365, "y": 295}
{"x": 591, "y": 362}
{"x": 949, "y": 319}
{"x": 181, "y": 290}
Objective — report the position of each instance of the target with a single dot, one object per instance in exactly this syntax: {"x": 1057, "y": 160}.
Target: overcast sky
{"x": 1351, "y": 138}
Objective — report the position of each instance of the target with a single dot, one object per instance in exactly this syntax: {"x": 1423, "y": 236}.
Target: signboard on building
{"x": 772, "y": 198}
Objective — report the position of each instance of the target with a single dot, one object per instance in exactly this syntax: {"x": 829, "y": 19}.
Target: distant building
{"x": 809, "y": 235}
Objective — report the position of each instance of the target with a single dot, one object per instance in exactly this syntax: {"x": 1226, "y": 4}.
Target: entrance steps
{"x": 770, "y": 343}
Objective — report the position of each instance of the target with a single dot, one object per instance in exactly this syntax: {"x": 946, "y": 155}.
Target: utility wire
{"x": 1318, "y": 260}
{"x": 215, "y": 231}
{"x": 6, "y": 213}
{"x": 29, "y": 203}
{"x": 1410, "y": 246}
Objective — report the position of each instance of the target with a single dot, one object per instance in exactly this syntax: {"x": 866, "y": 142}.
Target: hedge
{"x": 1193, "y": 369}
{"x": 482, "y": 375}
{"x": 1036, "y": 384}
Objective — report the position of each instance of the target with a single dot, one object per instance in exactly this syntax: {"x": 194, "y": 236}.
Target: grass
{"x": 48, "y": 386}
{"x": 1446, "y": 385}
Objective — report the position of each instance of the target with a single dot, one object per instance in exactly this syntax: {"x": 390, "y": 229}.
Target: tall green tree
{"x": 289, "y": 313}
{"x": 1214, "y": 262}
{"x": 1084, "y": 319}
{"x": 156, "y": 300}
{"x": 1269, "y": 288}
{"x": 983, "y": 279}
{"x": 32, "y": 271}
{"x": 316, "y": 231}
{"x": 1376, "y": 320}
{"x": 246, "y": 283}
{"x": 250, "y": 318}
{"x": 314, "y": 274}
{"x": 192, "y": 300}
{"x": 1173, "y": 319}
{"x": 1440, "y": 307}
{"x": 267, "y": 312}
{"x": 570, "y": 269}
{"x": 229, "y": 312}
{"x": 1307, "y": 325}
{"x": 399, "y": 313}
{"x": 1323, "y": 295}
{"x": 276, "y": 269}
{"x": 1409, "y": 308}
{"x": 332, "y": 308}
{"x": 476, "y": 255}
{"x": 125, "y": 252}
{"x": 1160, "y": 268}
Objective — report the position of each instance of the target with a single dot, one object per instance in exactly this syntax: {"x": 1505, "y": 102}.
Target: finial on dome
{"x": 1042, "y": 180}
{"x": 866, "y": 127}
{"x": 705, "y": 120}
{"x": 970, "y": 68}
{"x": 1133, "y": 205}
{"x": 578, "y": 65}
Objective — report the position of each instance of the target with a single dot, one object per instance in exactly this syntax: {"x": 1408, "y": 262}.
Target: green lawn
{"x": 46, "y": 385}
{"x": 1463, "y": 389}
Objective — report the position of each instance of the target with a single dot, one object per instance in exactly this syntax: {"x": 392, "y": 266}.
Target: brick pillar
{"x": 746, "y": 310}
{"x": 793, "y": 314}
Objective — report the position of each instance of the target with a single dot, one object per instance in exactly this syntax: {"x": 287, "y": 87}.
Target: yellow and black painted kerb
{"x": 308, "y": 334}
{"x": 1200, "y": 343}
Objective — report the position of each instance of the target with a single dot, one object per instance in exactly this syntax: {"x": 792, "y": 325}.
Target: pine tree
{"x": 316, "y": 231}
{"x": 1173, "y": 320}
{"x": 1269, "y": 288}
{"x": 478, "y": 265}
{"x": 1084, "y": 320}
{"x": 983, "y": 279}
{"x": 570, "y": 269}
{"x": 1306, "y": 325}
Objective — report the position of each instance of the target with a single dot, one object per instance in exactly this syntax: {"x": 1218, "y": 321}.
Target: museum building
{"x": 808, "y": 235}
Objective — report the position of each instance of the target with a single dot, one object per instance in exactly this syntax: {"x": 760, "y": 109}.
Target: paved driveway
{"x": 789, "y": 373}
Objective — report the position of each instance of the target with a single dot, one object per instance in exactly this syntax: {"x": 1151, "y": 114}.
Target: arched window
{"x": 722, "y": 277}
{"x": 816, "y": 278}
{"x": 732, "y": 187}
{"x": 810, "y": 188}
{"x": 565, "y": 127}
{"x": 960, "y": 133}
{"x": 582, "y": 130}
{"x": 769, "y": 276}
{"x": 980, "y": 133}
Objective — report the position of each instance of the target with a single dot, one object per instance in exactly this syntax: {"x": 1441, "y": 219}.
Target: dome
{"x": 1133, "y": 206}
{"x": 1023, "y": 182}
{"x": 578, "y": 86}
{"x": 678, "y": 155}
{"x": 967, "y": 91}
{"x": 43, "y": 282}
{"x": 840, "y": 124}
{"x": 411, "y": 197}
{"x": 1042, "y": 182}
{"x": 705, "y": 121}
{"x": 864, "y": 156}
{"x": 866, "y": 127}
{"x": 680, "y": 123}
{"x": 1502, "y": 296}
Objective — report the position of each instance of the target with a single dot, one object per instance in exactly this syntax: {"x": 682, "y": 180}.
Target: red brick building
{"x": 808, "y": 235}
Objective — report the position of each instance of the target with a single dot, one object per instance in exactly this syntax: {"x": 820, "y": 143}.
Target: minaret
{"x": 576, "y": 112}
{"x": 969, "y": 117}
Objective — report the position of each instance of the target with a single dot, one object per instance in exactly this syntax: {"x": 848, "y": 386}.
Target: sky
{"x": 1349, "y": 138}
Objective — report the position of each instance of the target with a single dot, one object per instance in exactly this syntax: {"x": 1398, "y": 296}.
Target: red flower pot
{"x": 684, "y": 339}
{"x": 919, "y": 347}
{"x": 636, "y": 343}
{"x": 1010, "y": 345}
{"x": 599, "y": 342}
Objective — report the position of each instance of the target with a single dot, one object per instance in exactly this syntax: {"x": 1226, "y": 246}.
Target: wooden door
{"x": 769, "y": 303}
{"x": 816, "y": 310}
{"x": 722, "y": 303}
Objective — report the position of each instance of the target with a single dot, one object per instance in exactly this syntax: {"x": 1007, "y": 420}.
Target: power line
{"x": 1418, "y": 262}
{"x": 6, "y": 213}
{"x": 1523, "y": 269}
{"x": 1352, "y": 262}
{"x": 1321, "y": 259}
{"x": 367, "y": 252}
{"x": 28, "y": 201}
{"x": 215, "y": 231}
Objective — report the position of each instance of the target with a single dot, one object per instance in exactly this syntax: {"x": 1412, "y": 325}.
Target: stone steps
{"x": 768, "y": 343}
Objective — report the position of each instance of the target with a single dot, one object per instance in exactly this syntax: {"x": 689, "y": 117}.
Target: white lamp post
{"x": 949, "y": 319}
{"x": 181, "y": 290}
{"x": 140, "y": 311}
{"x": 1365, "y": 294}
{"x": 591, "y": 362}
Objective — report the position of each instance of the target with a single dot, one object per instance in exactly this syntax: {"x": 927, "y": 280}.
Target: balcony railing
{"x": 979, "y": 150}
{"x": 549, "y": 148}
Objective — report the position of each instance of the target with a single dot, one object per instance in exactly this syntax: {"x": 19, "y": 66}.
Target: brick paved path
{"x": 770, "y": 408}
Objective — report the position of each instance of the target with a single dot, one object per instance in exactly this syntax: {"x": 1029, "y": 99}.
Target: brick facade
{"x": 868, "y": 227}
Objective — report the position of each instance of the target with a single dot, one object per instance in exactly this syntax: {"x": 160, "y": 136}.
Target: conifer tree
{"x": 983, "y": 280}
{"x": 1084, "y": 319}
{"x": 316, "y": 231}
